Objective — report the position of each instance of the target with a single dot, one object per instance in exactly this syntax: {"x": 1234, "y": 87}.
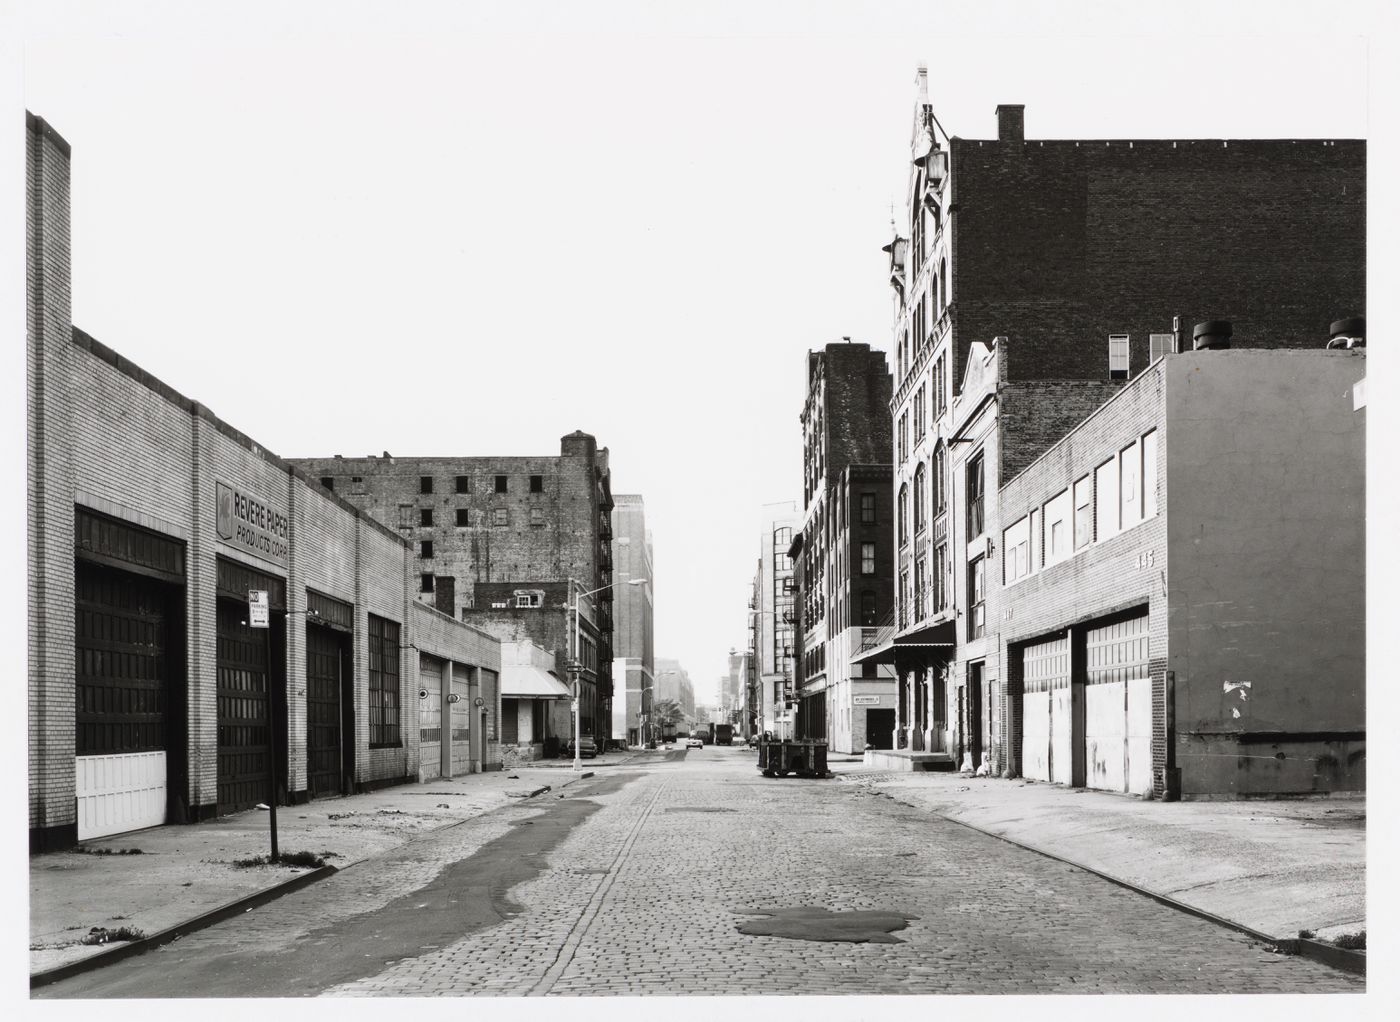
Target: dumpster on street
{"x": 805, "y": 757}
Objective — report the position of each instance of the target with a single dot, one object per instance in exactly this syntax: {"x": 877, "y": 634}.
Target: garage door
{"x": 429, "y": 718}
{"x": 1046, "y": 712}
{"x": 324, "y": 664}
{"x": 121, "y": 700}
{"x": 1118, "y": 708}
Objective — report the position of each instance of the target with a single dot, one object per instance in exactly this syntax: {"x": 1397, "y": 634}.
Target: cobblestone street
{"x": 636, "y": 883}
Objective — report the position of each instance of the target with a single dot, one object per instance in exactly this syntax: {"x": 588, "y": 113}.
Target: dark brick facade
{"x": 1057, "y": 244}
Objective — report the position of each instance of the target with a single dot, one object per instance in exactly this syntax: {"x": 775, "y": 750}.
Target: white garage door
{"x": 1118, "y": 708}
{"x": 1045, "y": 711}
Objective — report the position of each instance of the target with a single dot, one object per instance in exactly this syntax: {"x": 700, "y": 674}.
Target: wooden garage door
{"x": 1117, "y": 705}
{"x": 1046, "y": 715}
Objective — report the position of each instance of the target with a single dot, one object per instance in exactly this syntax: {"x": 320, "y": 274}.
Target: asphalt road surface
{"x": 694, "y": 875}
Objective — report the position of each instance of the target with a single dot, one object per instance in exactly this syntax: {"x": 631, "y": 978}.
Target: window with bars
{"x": 383, "y": 683}
{"x": 425, "y": 549}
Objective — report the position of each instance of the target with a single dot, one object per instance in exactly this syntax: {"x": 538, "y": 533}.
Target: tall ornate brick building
{"x": 1086, "y": 261}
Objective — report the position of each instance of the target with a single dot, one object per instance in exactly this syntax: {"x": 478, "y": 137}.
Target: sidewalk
{"x": 1273, "y": 866}
{"x": 184, "y": 872}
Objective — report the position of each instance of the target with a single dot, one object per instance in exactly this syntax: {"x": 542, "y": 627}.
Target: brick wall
{"x": 1101, "y": 579}
{"x": 1057, "y": 244}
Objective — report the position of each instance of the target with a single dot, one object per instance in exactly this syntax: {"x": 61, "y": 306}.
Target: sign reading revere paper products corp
{"x": 865, "y": 700}
{"x": 246, "y": 523}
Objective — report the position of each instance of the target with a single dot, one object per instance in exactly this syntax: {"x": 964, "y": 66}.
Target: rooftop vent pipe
{"x": 1212, "y": 335}
{"x": 1348, "y": 333}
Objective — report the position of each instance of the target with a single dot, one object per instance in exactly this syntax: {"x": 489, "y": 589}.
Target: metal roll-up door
{"x": 1118, "y": 707}
{"x": 121, "y": 700}
{"x": 328, "y": 693}
{"x": 243, "y": 688}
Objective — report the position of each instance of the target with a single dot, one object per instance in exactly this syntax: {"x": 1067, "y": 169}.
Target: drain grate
{"x": 807, "y": 922}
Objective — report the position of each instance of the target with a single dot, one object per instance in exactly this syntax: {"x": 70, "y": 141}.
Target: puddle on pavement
{"x": 807, "y": 922}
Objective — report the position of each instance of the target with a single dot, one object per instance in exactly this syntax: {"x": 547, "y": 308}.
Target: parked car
{"x": 694, "y": 743}
{"x": 587, "y": 748}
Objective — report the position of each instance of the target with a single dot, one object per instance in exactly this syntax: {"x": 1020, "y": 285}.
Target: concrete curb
{"x": 173, "y": 933}
{"x": 1338, "y": 958}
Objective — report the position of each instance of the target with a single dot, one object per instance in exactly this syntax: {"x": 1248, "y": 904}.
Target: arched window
{"x": 919, "y": 499}
{"x": 903, "y": 514}
{"x": 943, "y": 284}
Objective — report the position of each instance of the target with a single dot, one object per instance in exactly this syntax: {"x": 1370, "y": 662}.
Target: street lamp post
{"x": 576, "y": 669}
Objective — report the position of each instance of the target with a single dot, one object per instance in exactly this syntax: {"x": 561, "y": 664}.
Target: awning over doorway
{"x": 916, "y": 646}
{"x": 525, "y": 681}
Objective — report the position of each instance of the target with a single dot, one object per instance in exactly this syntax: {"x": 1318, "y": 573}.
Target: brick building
{"x": 773, "y": 620}
{"x": 1182, "y": 576}
{"x": 1081, "y": 259}
{"x": 673, "y": 683}
{"x": 504, "y": 543}
{"x": 634, "y": 663}
{"x": 843, "y": 560}
{"x": 152, "y": 695}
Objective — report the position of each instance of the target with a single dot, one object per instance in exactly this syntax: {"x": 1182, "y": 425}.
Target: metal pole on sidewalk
{"x": 272, "y": 750}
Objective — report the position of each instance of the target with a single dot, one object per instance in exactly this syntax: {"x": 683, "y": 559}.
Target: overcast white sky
{"x": 470, "y": 229}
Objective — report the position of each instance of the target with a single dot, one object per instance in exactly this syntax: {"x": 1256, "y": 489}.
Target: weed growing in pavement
{"x": 310, "y": 859}
{"x": 1306, "y": 934}
{"x": 1351, "y": 941}
{"x": 102, "y": 935}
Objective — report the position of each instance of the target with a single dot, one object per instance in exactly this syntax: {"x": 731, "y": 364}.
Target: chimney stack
{"x": 1011, "y": 122}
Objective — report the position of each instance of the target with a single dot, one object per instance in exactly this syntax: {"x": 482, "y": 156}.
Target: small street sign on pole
{"x": 260, "y": 616}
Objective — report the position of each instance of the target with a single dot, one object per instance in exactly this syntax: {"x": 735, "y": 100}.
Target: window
{"x": 867, "y": 509}
{"x": 1106, "y": 500}
{"x": 919, "y": 486}
{"x": 537, "y": 518}
{"x": 903, "y": 436}
{"x": 1057, "y": 529}
{"x": 1117, "y": 356}
{"x": 1130, "y": 486}
{"x": 328, "y": 482}
{"x": 975, "y": 520}
{"x": 501, "y": 484}
{"x": 940, "y": 578}
{"x": 464, "y": 517}
{"x": 528, "y": 600}
{"x": 867, "y": 558}
{"x": 977, "y": 598}
{"x": 940, "y": 482}
{"x": 1083, "y": 513}
{"x": 920, "y": 589}
{"x": 425, "y": 517}
{"x": 1159, "y": 345}
{"x": 1016, "y": 551}
{"x": 919, "y": 415}
{"x": 500, "y": 516}
{"x": 383, "y": 682}
{"x": 867, "y": 608}
{"x": 537, "y": 484}
{"x": 464, "y": 484}
{"x": 942, "y": 285}
{"x": 1035, "y": 547}
{"x": 425, "y": 583}
{"x": 1149, "y": 475}
{"x": 903, "y": 514}
{"x": 425, "y": 484}
{"x": 425, "y": 548}
{"x": 940, "y": 386}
